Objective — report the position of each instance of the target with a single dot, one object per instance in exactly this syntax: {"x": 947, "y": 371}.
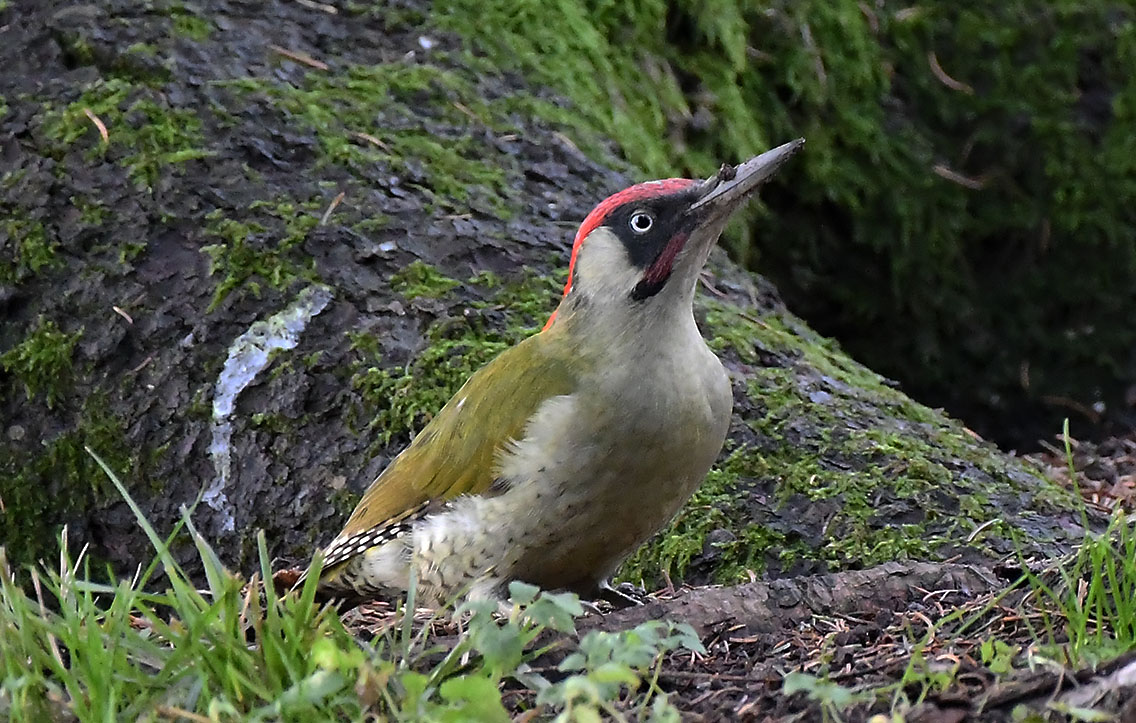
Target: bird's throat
{"x": 655, "y": 278}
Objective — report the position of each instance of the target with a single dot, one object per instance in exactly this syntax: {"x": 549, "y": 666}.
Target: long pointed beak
{"x": 724, "y": 191}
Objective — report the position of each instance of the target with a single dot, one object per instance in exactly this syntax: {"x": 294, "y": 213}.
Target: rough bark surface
{"x": 253, "y": 152}
{"x": 776, "y": 605}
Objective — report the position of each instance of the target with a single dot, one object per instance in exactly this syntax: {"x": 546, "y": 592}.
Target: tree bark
{"x": 775, "y": 605}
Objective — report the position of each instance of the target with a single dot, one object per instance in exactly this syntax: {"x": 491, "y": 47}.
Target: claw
{"x": 624, "y": 595}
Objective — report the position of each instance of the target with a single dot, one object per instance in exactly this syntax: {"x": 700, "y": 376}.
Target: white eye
{"x": 641, "y": 222}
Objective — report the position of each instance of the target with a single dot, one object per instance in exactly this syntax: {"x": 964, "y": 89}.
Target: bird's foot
{"x": 623, "y": 595}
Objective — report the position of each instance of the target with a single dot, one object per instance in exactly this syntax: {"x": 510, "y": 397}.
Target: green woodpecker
{"x": 561, "y": 456}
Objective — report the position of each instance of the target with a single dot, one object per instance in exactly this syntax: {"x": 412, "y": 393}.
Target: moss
{"x": 188, "y": 25}
{"x": 312, "y": 360}
{"x": 581, "y": 63}
{"x": 397, "y": 402}
{"x": 526, "y": 302}
{"x": 145, "y": 135}
{"x": 830, "y": 475}
{"x": 685, "y": 538}
{"x": 413, "y": 119}
{"x": 77, "y": 49}
{"x": 265, "y": 250}
{"x": 421, "y": 279}
{"x": 407, "y": 398}
{"x": 46, "y": 485}
{"x": 92, "y": 212}
{"x": 274, "y": 423}
{"x": 280, "y": 369}
{"x": 146, "y": 50}
{"x": 26, "y": 248}
{"x": 371, "y": 224}
{"x": 366, "y": 345}
{"x": 42, "y": 361}
{"x": 343, "y": 502}
{"x": 129, "y": 250}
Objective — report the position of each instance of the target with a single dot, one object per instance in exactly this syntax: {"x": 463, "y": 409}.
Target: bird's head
{"x": 643, "y": 247}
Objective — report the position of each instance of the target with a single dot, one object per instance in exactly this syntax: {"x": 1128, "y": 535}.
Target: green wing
{"x": 456, "y": 453}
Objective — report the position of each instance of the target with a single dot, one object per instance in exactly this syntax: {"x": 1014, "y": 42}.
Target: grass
{"x": 1078, "y": 612}
{"x": 1094, "y": 593}
{"x": 156, "y": 647}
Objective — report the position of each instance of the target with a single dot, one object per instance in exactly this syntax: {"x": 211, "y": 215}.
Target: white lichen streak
{"x": 249, "y": 354}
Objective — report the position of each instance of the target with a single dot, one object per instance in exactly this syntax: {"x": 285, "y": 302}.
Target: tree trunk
{"x": 247, "y": 248}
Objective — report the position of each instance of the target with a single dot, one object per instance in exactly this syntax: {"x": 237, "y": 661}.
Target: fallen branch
{"x": 769, "y": 606}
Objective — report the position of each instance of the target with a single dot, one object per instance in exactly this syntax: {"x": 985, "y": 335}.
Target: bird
{"x": 561, "y": 456}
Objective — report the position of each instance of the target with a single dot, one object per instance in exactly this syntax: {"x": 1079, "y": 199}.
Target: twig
{"x": 973, "y": 184}
{"x": 945, "y": 79}
{"x": 811, "y": 47}
{"x": 98, "y": 124}
{"x": 332, "y": 206}
{"x": 300, "y": 57}
{"x": 322, "y": 7}
{"x": 372, "y": 140}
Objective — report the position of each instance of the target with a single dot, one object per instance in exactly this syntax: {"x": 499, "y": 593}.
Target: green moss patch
{"x": 413, "y": 119}
{"x": 25, "y": 248}
{"x": 189, "y": 25}
{"x": 421, "y": 279}
{"x": 144, "y": 134}
{"x": 45, "y": 485}
{"x": 42, "y": 361}
{"x": 266, "y": 250}
{"x": 399, "y": 401}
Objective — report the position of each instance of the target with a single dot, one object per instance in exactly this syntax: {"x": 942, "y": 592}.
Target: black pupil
{"x": 641, "y": 221}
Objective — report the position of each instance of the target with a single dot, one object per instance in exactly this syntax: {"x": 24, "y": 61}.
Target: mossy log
{"x": 246, "y": 249}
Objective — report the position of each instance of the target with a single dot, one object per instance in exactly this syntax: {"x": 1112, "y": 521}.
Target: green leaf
{"x": 798, "y": 683}
{"x": 558, "y": 612}
{"x": 502, "y": 646}
{"x": 615, "y": 673}
{"x": 477, "y": 698}
{"x": 522, "y": 593}
{"x": 414, "y": 685}
{"x": 573, "y": 661}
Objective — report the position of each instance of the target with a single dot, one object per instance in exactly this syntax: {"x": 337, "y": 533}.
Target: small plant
{"x": 997, "y": 655}
{"x": 606, "y": 663}
{"x": 832, "y": 698}
{"x": 1095, "y": 591}
{"x": 25, "y": 246}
